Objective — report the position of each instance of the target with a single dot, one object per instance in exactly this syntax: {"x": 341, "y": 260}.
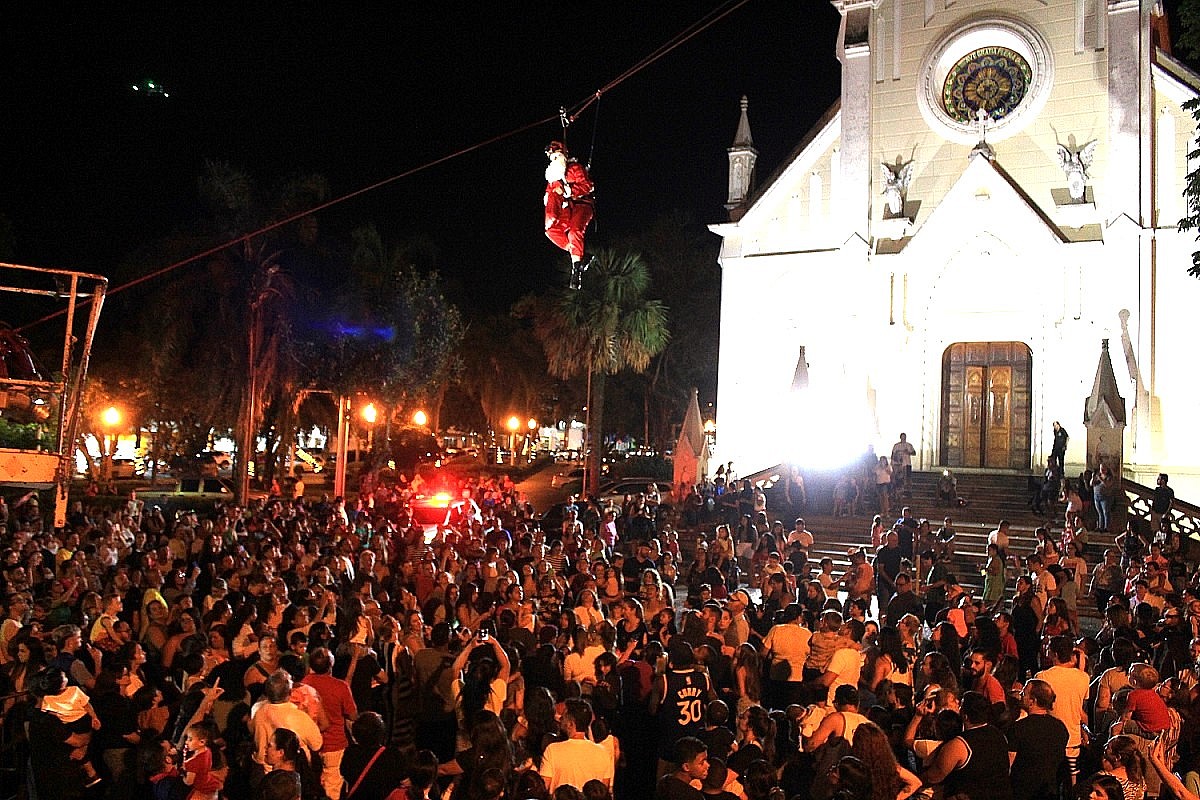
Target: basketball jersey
{"x": 681, "y": 712}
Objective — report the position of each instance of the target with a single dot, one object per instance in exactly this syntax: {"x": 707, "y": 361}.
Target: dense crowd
{"x": 299, "y": 649}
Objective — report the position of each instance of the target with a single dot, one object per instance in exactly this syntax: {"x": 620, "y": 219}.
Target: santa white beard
{"x": 556, "y": 170}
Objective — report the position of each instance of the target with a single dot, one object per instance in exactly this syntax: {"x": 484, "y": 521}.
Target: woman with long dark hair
{"x": 489, "y": 749}
{"x": 370, "y": 767}
{"x": 631, "y": 630}
{"x": 937, "y": 671}
{"x": 756, "y": 739}
{"x": 538, "y": 726}
{"x": 890, "y": 660}
{"x": 945, "y": 640}
{"x": 1025, "y": 623}
{"x": 482, "y": 684}
{"x": 851, "y": 778}
{"x": 889, "y": 780}
{"x": 28, "y": 658}
{"x": 1123, "y": 760}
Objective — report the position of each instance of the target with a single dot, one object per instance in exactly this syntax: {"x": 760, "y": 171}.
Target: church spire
{"x": 1104, "y": 417}
{"x": 742, "y": 156}
{"x": 743, "y": 138}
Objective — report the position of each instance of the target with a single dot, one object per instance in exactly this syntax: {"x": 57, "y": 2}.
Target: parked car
{"x": 213, "y": 463}
{"x": 189, "y": 493}
{"x": 408, "y": 448}
{"x": 124, "y": 468}
{"x": 224, "y": 461}
{"x": 565, "y": 476}
{"x": 615, "y": 491}
{"x": 307, "y": 461}
{"x": 552, "y": 518}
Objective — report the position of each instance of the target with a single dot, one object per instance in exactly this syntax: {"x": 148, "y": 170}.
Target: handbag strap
{"x": 363, "y": 774}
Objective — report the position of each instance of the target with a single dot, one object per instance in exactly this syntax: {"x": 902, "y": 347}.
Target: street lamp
{"x": 513, "y": 424}
{"x": 369, "y": 415}
{"x": 532, "y": 439}
{"x": 420, "y": 418}
{"x": 110, "y": 418}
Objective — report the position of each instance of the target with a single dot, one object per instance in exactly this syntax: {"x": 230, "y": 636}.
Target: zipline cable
{"x": 705, "y": 22}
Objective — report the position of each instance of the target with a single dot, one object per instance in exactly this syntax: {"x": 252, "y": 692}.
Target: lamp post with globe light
{"x": 513, "y": 425}
{"x": 110, "y": 418}
{"x": 369, "y": 415}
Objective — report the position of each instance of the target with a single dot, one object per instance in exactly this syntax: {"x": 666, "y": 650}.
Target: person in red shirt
{"x": 1146, "y": 712}
{"x": 568, "y": 202}
{"x": 340, "y": 707}
{"x": 202, "y": 764}
{"x": 980, "y": 667}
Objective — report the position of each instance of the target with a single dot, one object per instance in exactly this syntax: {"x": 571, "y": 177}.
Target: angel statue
{"x": 1075, "y": 167}
{"x": 895, "y": 186}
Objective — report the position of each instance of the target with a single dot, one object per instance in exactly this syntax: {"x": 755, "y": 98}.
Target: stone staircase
{"x": 989, "y": 499}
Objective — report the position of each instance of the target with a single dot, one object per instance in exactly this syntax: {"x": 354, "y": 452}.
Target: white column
{"x": 1122, "y": 185}
{"x": 852, "y": 196}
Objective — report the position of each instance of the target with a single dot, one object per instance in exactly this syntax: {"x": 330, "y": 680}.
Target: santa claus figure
{"x": 568, "y": 206}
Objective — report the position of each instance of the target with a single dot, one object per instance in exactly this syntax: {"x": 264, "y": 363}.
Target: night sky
{"x": 358, "y": 92}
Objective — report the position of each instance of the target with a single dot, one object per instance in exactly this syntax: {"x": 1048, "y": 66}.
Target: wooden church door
{"x": 986, "y": 419}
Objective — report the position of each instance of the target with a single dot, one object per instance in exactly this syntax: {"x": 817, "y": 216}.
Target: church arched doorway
{"x": 986, "y": 407}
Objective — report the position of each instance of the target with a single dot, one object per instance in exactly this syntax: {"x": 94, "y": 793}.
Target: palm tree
{"x": 606, "y": 326}
{"x": 257, "y": 294}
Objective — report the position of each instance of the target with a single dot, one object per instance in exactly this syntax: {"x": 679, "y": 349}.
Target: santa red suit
{"x": 568, "y": 201}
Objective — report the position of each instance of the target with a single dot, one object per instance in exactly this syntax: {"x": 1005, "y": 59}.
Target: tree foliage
{"x": 215, "y": 323}
{"x": 504, "y": 370}
{"x": 389, "y": 331}
{"x": 607, "y": 326}
{"x": 682, "y": 256}
{"x": 1188, "y": 41}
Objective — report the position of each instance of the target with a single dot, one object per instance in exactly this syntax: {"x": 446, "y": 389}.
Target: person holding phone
{"x": 482, "y": 683}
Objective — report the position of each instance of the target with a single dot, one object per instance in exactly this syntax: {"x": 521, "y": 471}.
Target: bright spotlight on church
{"x": 825, "y": 430}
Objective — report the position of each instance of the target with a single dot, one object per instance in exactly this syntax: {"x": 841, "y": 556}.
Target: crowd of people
{"x": 318, "y": 649}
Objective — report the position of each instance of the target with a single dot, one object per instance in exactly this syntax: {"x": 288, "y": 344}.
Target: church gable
{"x": 985, "y": 198}
{"x": 791, "y": 210}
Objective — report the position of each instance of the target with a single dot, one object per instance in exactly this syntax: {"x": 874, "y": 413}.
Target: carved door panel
{"x": 986, "y": 405}
{"x": 973, "y": 405}
{"x": 998, "y": 428}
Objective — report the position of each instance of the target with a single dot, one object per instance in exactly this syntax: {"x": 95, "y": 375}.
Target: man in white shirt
{"x": 737, "y": 632}
{"x": 1070, "y": 686}
{"x": 1044, "y": 584}
{"x": 902, "y": 456}
{"x": 576, "y": 760}
{"x": 799, "y": 536}
{"x": 275, "y": 710}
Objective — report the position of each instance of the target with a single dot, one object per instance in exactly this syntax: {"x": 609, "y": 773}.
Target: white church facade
{"x": 995, "y": 194}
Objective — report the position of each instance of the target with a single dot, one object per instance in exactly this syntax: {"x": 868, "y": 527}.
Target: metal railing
{"x": 1184, "y": 517}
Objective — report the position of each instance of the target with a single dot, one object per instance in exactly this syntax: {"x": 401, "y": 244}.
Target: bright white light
{"x": 111, "y": 417}
{"x": 825, "y": 425}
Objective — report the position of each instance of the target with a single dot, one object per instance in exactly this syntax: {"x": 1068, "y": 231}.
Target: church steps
{"x": 990, "y": 498}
